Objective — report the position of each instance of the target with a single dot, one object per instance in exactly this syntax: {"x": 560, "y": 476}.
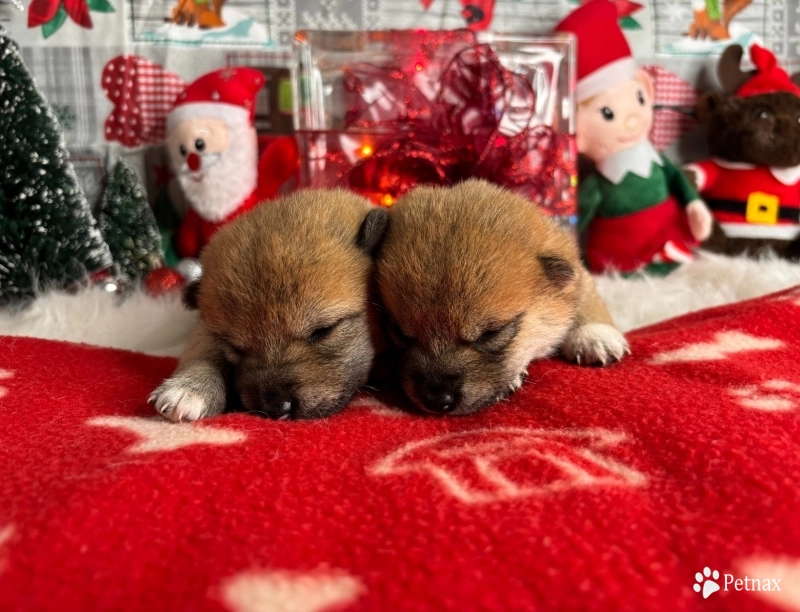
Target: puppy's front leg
{"x": 593, "y": 337}
{"x": 197, "y": 388}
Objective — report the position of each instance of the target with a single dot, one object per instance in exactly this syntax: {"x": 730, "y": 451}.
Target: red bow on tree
{"x": 52, "y": 14}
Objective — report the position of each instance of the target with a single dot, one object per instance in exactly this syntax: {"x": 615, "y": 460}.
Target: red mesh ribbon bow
{"x": 477, "y": 120}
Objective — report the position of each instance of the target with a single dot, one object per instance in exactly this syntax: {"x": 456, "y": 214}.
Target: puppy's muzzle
{"x": 439, "y": 393}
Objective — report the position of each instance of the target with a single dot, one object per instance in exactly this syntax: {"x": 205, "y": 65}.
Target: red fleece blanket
{"x": 650, "y": 484}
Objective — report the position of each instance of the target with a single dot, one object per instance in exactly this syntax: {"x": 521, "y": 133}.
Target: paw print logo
{"x": 709, "y": 586}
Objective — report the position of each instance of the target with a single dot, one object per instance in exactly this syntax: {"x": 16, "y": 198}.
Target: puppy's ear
{"x": 557, "y": 270}
{"x": 189, "y": 295}
{"x": 372, "y": 230}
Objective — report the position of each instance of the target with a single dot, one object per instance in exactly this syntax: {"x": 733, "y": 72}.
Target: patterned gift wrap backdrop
{"x": 246, "y": 22}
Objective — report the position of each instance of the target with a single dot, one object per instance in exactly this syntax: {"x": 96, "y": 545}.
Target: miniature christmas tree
{"x": 48, "y": 236}
{"x": 128, "y": 224}
{"x": 168, "y": 221}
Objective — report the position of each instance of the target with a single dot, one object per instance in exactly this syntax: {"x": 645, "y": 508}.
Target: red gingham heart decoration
{"x": 670, "y": 91}
{"x": 142, "y": 93}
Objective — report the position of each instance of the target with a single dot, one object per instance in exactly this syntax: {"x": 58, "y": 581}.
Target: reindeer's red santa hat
{"x": 768, "y": 76}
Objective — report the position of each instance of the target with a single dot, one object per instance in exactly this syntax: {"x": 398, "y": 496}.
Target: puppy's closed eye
{"x": 496, "y": 337}
{"x": 398, "y": 336}
{"x": 325, "y": 330}
{"x": 233, "y": 354}
{"x": 319, "y": 334}
{"x": 488, "y": 336}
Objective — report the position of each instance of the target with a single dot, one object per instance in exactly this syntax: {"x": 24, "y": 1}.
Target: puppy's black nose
{"x": 440, "y": 394}
{"x": 439, "y": 401}
{"x": 280, "y": 410}
{"x": 277, "y": 404}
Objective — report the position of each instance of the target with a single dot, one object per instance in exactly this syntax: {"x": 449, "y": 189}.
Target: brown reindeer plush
{"x": 752, "y": 181}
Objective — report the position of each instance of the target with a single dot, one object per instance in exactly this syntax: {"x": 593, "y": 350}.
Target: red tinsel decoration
{"x": 477, "y": 120}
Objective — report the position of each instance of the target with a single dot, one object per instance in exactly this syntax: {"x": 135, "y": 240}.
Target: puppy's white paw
{"x": 182, "y": 399}
{"x": 519, "y": 379}
{"x": 595, "y": 343}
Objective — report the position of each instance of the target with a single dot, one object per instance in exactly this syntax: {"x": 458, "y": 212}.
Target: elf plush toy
{"x": 213, "y": 148}
{"x": 752, "y": 182}
{"x": 638, "y": 209}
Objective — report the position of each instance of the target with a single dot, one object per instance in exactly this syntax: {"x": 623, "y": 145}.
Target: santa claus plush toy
{"x": 213, "y": 149}
{"x": 638, "y": 209}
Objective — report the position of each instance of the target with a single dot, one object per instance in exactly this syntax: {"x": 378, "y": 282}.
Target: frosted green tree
{"x": 128, "y": 224}
{"x": 48, "y": 236}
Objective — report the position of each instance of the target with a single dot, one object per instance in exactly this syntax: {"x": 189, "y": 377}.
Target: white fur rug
{"x": 160, "y": 326}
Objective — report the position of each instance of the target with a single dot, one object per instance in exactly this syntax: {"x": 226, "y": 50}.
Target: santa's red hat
{"x": 228, "y": 94}
{"x": 769, "y": 77}
{"x": 604, "y": 57}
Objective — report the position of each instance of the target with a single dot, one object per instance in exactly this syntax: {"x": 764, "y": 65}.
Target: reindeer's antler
{"x": 729, "y": 71}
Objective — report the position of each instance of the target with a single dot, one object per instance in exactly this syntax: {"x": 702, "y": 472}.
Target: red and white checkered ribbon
{"x": 143, "y": 94}
{"x": 679, "y": 98}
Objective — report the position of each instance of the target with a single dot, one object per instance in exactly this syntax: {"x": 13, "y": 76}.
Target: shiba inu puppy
{"x": 286, "y": 320}
{"x": 476, "y": 283}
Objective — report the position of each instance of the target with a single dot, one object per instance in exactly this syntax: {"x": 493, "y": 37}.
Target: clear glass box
{"x": 356, "y": 94}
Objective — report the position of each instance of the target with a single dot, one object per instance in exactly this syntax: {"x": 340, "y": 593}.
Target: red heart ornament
{"x": 142, "y": 93}
{"x": 674, "y": 100}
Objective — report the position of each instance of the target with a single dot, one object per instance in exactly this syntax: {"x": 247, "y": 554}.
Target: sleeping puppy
{"x": 476, "y": 283}
{"x": 286, "y": 325}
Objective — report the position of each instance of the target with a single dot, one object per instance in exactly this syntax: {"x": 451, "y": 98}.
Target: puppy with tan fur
{"x": 476, "y": 283}
{"x": 286, "y": 321}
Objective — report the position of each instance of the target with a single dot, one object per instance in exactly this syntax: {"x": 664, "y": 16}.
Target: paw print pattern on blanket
{"x": 4, "y": 374}
{"x": 257, "y": 591}
{"x": 157, "y": 435}
{"x": 781, "y": 569}
{"x": 724, "y": 344}
{"x": 772, "y": 395}
{"x": 7, "y": 532}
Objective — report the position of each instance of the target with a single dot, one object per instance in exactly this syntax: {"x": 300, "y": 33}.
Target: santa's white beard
{"x": 224, "y": 185}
